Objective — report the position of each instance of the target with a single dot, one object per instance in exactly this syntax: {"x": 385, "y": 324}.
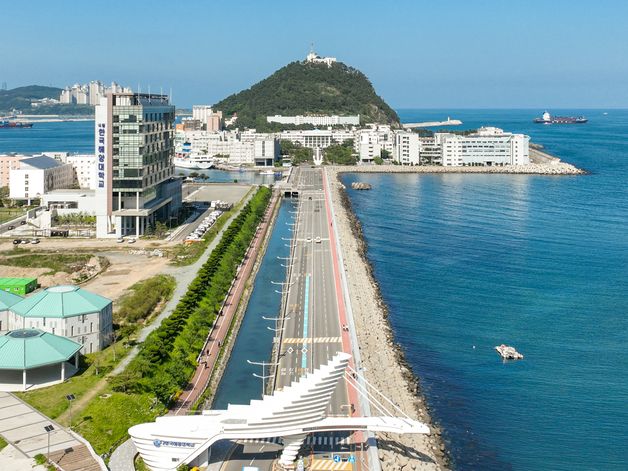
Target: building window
{"x": 72, "y": 331}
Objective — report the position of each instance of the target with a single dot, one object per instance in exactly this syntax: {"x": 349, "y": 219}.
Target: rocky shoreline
{"x": 383, "y": 359}
{"x": 551, "y": 168}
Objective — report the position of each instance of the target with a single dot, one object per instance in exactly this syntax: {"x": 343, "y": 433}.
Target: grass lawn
{"x": 105, "y": 421}
{"x": 6, "y": 214}
{"x": 3, "y": 442}
{"x": 51, "y": 400}
{"x": 55, "y": 262}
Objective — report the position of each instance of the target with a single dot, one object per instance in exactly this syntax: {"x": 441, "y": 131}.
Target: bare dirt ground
{"x": 126, "y": 265}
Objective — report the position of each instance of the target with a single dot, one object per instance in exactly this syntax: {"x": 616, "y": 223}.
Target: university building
{"x": 134, "y": 147}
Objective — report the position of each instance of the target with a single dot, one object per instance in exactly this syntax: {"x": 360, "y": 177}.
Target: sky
{"x": 418, "y": 54}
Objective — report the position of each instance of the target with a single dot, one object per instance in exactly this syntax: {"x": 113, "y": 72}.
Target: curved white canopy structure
{"x": 292, "y": 413}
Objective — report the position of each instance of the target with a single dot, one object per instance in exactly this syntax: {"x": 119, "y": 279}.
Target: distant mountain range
{"x": 20, "y": 99}
{"x": 302, "y": 88}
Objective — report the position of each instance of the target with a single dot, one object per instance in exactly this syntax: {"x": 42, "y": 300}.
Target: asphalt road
{"x": 311, "y": 334}
{"x": 312, "y": 331}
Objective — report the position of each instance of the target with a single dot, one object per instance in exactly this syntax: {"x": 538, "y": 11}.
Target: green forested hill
{"x": 20, "y": 98}
{"x": 306, "y": 88}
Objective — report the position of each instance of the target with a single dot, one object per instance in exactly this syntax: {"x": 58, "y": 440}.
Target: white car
{"x": 309, "y": 239}
{"x": 120, "y": 240}
{"x": 317, "y": 240}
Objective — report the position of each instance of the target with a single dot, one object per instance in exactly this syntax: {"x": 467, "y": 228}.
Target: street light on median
{"x": 263, "y": 376}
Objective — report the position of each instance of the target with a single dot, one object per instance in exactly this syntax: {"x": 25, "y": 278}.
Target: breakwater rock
{"x": 553, "y": 168}
{"x": 361, "y": 186}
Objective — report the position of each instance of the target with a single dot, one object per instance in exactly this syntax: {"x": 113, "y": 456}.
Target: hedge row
{"x": 168, "y": 356}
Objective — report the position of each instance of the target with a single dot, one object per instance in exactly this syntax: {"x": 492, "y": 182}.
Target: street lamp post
{"x": 70, "y": 398}
{"x": 263, "y": 376}
{"x": 48, "y": 429}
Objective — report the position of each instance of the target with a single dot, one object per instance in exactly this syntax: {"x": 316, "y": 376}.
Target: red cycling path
{"x": 210, "y": 352}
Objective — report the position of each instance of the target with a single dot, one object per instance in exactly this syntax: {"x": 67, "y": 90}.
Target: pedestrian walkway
{"x": 122, "y": 457}
{"x": 24, "y": 427}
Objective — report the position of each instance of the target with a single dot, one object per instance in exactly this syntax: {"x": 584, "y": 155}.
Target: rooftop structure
{"x": 317, "y": 120}
{"x": 291, "y": 414}
{"x": 30, "y": 349}
{"x": 314, "y": 58}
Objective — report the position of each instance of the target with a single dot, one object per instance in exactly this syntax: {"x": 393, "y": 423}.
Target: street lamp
{"x": 263, "y": 376}
{"x": 70, "y": 398}
{"x": 275, "y": 318}
{"x": 48, "y": 429}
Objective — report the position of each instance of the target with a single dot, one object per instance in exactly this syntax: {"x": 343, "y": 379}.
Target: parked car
{"x": 132, "y": 241}
{"x": 317, "y": 240}
{"x": 120, "y": 240}
{"x": 22, "y": 222}
{"x": 16, "y": 241}
{"x": 10, "y": 228}
{"x": 34, "y": 241}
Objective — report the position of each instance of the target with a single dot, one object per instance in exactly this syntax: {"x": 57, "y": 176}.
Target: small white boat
{"x": 267, "y": 172}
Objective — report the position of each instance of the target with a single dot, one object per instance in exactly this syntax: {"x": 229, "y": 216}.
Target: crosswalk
{"x": 323, "y": 465}
{"x": 311, "y": 440}
{"x": 302, "y": 340}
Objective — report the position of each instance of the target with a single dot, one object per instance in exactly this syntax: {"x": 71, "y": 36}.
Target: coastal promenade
{"x": 382, "y": 363}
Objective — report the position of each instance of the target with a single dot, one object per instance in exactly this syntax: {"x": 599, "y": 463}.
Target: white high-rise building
{"x": 134, "y": 147}
{"x": 407, "y": 146}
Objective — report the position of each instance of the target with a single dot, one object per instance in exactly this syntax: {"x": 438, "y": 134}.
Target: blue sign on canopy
{"x": 336, "y": 458}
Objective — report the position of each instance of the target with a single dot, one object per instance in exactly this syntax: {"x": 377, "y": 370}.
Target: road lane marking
{"x": 301, "y": 340}
{"x": 305, "y": 317}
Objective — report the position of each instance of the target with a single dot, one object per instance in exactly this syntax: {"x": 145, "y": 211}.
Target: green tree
{"x": 340, "y": 155}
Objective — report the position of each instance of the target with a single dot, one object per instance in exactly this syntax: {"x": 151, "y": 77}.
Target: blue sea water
{"x": 467, "y": 262}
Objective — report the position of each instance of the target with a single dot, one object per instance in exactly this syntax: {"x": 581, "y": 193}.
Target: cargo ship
{"x": 15, "y": 124}
{"x": 549, "y": 119}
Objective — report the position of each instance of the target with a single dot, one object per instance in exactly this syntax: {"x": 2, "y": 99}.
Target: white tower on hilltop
{"x": 316, "y": 59}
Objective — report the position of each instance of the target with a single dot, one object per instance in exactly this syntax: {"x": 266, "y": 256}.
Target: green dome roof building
{"x": 68, "y": 311}
{"x": 36, "y": 354}
{"x": 7, "y": 300}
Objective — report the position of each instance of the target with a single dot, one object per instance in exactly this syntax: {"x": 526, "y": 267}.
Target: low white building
{"x": 238, "y": 148}
{"x": 37, "y": 176}
{"x": 84, "y": 166}
{"x": 321, "y": 120}
{"x": 489, "y": 146}
{"x": 314, "y": 138}
{"x": 68, "y": 311}
{"x": 314, "y": 58}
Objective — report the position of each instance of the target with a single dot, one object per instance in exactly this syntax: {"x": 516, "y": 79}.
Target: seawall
{"x": 551, "y": 168}
{"x": 383, "y": 360}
